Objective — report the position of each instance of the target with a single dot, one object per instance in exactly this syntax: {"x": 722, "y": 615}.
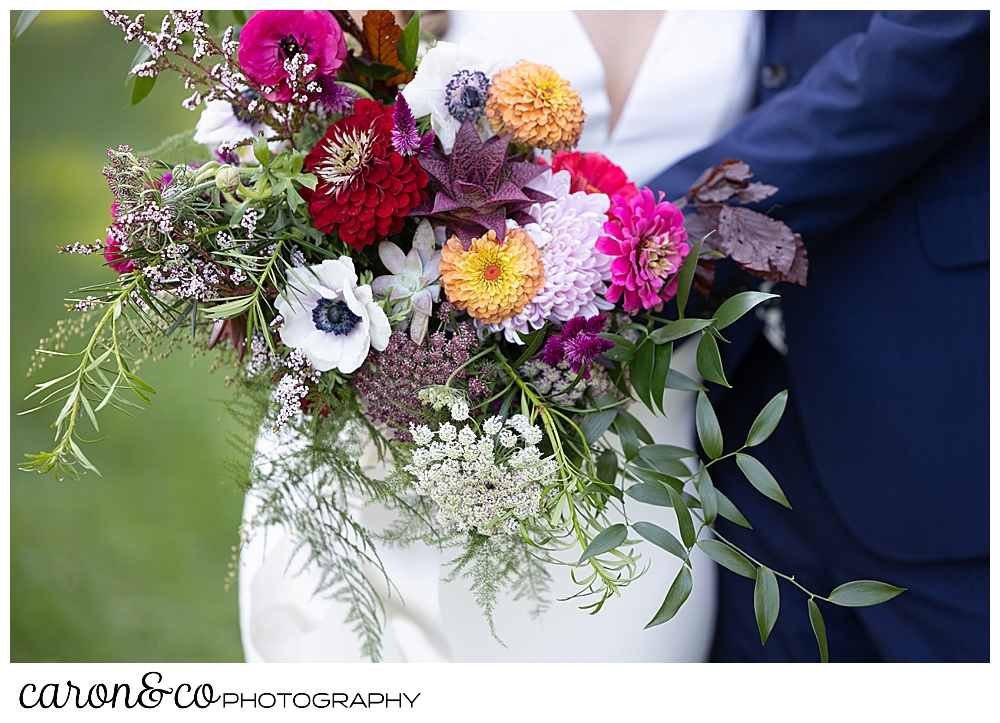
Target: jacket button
{"x": 773, "y": 76}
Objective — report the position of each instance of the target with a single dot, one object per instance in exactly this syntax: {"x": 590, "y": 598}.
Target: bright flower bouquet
{"x": 393, "y": 243}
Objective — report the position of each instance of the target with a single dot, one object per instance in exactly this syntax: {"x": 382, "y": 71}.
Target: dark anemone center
{"x": 465, "y": 94}
{"x": 334, "y": 316}
{"x": 289, "y": 47}
{"x": 242, "y": 114}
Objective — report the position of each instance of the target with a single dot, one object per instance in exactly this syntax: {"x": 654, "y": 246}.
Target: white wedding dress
{"x": 695, "y": 82}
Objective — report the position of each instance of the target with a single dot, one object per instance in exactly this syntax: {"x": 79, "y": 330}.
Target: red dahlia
{"x": 365, "y": 187}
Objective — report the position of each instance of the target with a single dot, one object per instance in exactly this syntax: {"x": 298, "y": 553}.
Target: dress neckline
{"x": 611, "y": 135}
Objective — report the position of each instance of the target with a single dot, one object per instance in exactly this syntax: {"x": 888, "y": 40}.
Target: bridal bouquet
{"x": 392, "y": 245}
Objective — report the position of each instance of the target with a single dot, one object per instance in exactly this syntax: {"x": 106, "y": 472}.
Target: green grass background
{"x": 128, "y": 566}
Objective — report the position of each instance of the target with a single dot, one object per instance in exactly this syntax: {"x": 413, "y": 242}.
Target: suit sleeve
{"x": 866, "y": 116}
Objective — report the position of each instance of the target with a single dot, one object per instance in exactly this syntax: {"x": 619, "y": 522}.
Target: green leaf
{"x": 607, "y": 467}
{"x": 767, "y": 420}
{"x": 684, "y": 522}
{"x": 728, "y": 558}
{"x": 672, "y": 467}
{"x": 661, "y": 538}
{"x": 676, "y": 595}
{"x": 709, "y": 360}
{"x": 683, "y": 383}
{"x": 141, "y": 88}
{"x": 685, "y": 276}
{"x": 623, "y": 349}
{"x": 641, "y": 372}
{"x": 376, "y": 71}
{"x": 261, "y": 151}
{"x": 709, "y": 431}
{"x": 640, "y": 430}
{"x": 655, "y": 478}
{"x": 706, "y": 491}
{"x": 766, "y": 601}
{"x": 25, "y": 19}
{"x": 862, "y": 593}
{"x": 728, "y": 510}
{"x": 738, "y": 305}
{"x": 605, "y": 541}
{"x": 406, "y": 48}
{"x": 627, "y": 436}
{"x": 532, "y": 342}
{"x": 761, "y": 479}
{"x": 178, "y": 149}
{"x": 673, "y": 330}
{"x": 661, "y": 369}
{"x": 819, "y": 630}
{"x": 595, "y": 424}
{"x": 654, "y": 453}
{"x": 650, "y": 494}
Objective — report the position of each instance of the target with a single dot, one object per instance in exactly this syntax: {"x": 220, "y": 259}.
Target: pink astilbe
{"x": 649, "y": 244}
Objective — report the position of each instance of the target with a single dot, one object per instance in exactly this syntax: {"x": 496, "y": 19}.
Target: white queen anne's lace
{"x": 476, "y": 484}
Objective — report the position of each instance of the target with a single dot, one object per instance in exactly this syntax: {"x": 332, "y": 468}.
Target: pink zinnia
{"x": 593, "y": 173}
{"x": 271, "y": 37}
{"x": 649, "y": 242}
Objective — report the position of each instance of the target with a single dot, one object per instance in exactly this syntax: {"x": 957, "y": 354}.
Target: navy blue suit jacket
{"x": 879, "y": 142}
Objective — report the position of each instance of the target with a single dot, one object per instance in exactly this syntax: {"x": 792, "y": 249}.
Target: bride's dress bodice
{"x": 696, "y": 80}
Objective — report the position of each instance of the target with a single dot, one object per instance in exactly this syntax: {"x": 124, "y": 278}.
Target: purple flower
{"x": 405, "y": 138}
{"x": 335, "y": 97}
{"x": 578, "y": 344}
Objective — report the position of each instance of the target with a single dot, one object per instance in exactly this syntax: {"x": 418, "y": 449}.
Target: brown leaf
{"x": 720, "y": 183}
{"x": 755, "y": 241}
{"x": 380, "y": 36}
{"x": 755, "y": 192}
{"x": 800, "y": 267}
{"x": 698, "y": 226}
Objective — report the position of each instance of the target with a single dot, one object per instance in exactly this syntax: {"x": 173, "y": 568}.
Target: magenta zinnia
{"x": 649, "y": 244}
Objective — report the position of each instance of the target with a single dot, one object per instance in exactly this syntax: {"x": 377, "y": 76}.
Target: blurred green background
{"x": 129, "y": 566}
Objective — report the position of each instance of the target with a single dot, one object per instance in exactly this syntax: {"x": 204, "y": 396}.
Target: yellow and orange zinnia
{"x": 536, "y": 106}
{"x": 495, "y": 278}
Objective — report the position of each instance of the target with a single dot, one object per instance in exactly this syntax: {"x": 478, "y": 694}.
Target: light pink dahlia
{"x": 650, "y": 244}
{"x": 566, "y": 230}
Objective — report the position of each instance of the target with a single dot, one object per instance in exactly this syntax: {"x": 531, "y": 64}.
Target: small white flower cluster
{"x": 261, "y": 356}
{"x": 440, "y": 397}
{"x": 476, "y": 484}
{"x": 249, "y": 220}
{"x": 299, "y": 68}
{"x": 294, "y": 385}
{"x": 83, "y": 249}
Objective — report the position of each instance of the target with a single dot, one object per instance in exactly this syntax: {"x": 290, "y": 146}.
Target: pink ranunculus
{"x": 649, "y": 244}
{"x": 593, "y": 173}
{"x": 272, "y": 36}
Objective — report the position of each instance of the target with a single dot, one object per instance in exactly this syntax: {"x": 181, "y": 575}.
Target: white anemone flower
{"x": 330, "y": 318}
{"x": 451, "y": 86}
{"x": 218, "y": 124}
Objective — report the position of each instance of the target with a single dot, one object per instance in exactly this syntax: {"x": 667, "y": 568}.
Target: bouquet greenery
{"x": 391, "y": 244}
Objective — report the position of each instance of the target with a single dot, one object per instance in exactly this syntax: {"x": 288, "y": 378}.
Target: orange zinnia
{"x": 536, "y": 106}
{"x": 493, "y": 279}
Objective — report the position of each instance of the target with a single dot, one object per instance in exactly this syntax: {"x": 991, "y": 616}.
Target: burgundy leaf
{"x": 800, "y": 266}
{"x": 755, "y": 241}
{"x": 720, "y": 183}
{"x": 698, "y": 226}
{"x": 755, "y": 192}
